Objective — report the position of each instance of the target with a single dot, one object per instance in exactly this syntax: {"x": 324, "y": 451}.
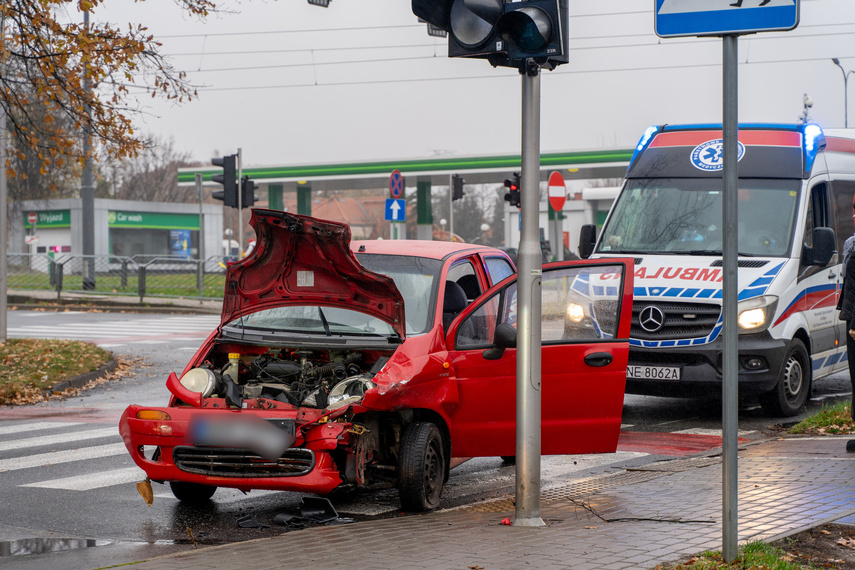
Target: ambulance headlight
{"x": 575, "y": 312}
{"x": 755, "y": 315}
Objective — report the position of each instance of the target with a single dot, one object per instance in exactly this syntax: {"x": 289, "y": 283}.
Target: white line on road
{"x": 93, "y": 480}
{"x": 56, "y": 457}
{"x": 62, "y": 438}
{"x": 18, "y": 428}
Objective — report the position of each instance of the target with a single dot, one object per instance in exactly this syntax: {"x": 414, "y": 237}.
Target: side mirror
{"x": 824, "y": 246}
{"x": 587, "y": 240}
{"x": 504, "y": 337}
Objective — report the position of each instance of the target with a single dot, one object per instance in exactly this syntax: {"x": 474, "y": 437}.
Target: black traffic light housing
{"x": 247, "y": 192}
{"x": 457, "y": 183}
{"x": 228, "y": 179}
{"x": 513, "y": 186}
{"x": 506, "y": 34}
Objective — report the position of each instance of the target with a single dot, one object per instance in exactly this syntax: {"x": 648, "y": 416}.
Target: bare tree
{"x": 151, "y": 175}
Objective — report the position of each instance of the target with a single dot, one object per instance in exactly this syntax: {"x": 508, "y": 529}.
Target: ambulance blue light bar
{"x": 809, "y": 137}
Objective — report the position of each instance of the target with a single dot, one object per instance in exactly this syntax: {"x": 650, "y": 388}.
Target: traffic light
{"x": 247, "y": 192}
{"x": 229, "y": 192}
{"x": 513, "y": 186}
{"x": 506, "y": 34}
{"x": 457, "y": 183}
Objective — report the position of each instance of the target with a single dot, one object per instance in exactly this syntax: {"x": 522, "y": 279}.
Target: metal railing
{"x": 141, "y": 276}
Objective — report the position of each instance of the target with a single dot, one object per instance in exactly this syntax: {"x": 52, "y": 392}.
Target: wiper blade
{"x": 704, "y": 252}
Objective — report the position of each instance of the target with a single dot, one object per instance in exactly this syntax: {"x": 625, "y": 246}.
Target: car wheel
{"x": 422, "y": 467}
{"x": 191, "y": 492}
{"x": 793, "y": 387}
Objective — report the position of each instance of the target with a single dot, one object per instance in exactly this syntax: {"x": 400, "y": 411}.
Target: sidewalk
{"x": 662, "y": 512}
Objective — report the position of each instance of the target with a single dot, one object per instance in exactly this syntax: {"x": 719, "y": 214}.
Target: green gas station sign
{"x": 152, "y": 220}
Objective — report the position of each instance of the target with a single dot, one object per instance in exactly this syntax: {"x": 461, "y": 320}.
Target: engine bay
{"x": 320, "y": 378}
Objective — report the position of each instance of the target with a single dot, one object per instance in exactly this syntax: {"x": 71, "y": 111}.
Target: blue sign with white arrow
{"x": 395, "y": 210}
{"x": 675, "y": 18}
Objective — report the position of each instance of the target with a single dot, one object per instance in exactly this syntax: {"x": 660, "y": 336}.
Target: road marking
{"x": 93, "y": 480}
{"x": 34, "y": 426}
{"x": 57, "y": 457}
{"x": 61, "y": 438}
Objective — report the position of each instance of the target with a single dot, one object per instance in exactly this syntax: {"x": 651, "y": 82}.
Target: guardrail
{"x": 142, "y": 276}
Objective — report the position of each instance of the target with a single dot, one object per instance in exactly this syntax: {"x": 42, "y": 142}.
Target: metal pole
{"x": 4, "y": 220}
{"x": 240, "y": 203}
{"x": 527, "y": 508}
{"x": 87, "y": 192}
{"x": 730, "y": 371}
{"x": 450, "y": 207}
{"x": 200, "y": 272}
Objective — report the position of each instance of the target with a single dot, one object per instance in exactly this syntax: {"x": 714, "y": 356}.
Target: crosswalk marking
{"x": 57, "y": 457}
{"x": 93, "y": 480}
{"x": 18, "y": 428}
{"x": 59, "y": 438}
{"x": 139, "y": 330}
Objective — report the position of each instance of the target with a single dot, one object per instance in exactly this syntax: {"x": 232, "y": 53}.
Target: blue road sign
{"x": 675, "y": 18}
{"x": 395, "y": 210}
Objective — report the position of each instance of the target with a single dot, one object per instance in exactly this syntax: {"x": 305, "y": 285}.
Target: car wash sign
{"x": 675, "y": 18}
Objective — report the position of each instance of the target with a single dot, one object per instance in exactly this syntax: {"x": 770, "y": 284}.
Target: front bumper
{"x": 165, "y": 450}
{"x": 759, "y": 362}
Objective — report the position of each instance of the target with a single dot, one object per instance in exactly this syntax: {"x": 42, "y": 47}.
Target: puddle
{"x": 46, "y": 545}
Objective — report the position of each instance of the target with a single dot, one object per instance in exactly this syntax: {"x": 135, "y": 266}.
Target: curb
{"x": 81, "y": 380}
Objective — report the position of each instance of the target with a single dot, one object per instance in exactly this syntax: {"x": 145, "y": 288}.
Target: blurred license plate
{"x": 653, "y": 372}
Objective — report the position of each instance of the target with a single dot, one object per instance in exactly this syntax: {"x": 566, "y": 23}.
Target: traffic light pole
{"x": 450, "y": 207}
{"x": 529, "y": 271}
{"x": 240, "y": 202}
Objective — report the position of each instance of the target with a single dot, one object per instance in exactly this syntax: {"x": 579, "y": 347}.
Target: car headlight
{"x": 202, "y": 380}
{"x": 575, "y": 312}
{"x": 755, "y": 315}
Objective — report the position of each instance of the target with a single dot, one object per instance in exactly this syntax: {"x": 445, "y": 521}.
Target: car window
{"x": 312, "y": 319}
{"x": 498, "y": 268}
{"x": 578, "y": 303}
{"x": 416, "y": 278}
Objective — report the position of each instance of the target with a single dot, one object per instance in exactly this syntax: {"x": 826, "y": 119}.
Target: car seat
{"x": 455, "y": 301}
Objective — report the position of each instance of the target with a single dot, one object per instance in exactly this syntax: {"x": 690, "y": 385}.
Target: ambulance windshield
{"x": 682, "y": 216}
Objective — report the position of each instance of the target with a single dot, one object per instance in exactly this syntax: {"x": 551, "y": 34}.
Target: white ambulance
{"x": 795, "y": 200}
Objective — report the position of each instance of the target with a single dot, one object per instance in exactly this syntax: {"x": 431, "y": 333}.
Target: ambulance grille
{"x": 679, "y": 320}
{"x": 754, "y": 263}
{"x": 235, "y": 462}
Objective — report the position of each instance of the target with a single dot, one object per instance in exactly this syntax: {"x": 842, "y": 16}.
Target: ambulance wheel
{"x": 191, "y": 492}
{"x": 422, "y": 467}
{"x": 793, "y": 387}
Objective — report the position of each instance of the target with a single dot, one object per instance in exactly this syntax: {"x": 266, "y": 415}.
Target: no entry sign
{"x": 557, "y": 191}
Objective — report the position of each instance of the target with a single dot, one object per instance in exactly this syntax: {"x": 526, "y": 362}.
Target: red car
{"x": 375, "y": 363}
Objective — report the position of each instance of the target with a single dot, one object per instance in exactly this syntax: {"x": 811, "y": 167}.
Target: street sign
{"x": 557, "y": 191}
{"x": 395, "y": 210}
{"x": 32, "y": 218}
{"x": 396, "y": 184}
{"x": 675, "y": 18}
{"x": 31, "y": 239}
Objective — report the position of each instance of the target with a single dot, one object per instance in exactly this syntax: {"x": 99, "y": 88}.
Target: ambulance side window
{"x": 817, "y": 217}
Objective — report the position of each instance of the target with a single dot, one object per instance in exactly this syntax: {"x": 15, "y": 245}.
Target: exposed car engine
{"x": 306, "y": 378}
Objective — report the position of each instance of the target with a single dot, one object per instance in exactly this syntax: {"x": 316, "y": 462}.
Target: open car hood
{"x": 299, "y": 260}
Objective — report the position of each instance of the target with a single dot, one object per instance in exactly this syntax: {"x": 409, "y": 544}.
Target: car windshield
{"x": 683, "y": 216}
{"x": 312, "y": 319}
{"x": 416, "y": 279}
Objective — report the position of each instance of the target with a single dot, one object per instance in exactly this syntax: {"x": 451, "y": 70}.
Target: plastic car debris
{"x": 248, "y": 522}
{"x": 317, "y": 509}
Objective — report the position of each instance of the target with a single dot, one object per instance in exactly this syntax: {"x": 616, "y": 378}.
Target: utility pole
{"x": 87, "y": 189}
{"x": 4, "y": 195}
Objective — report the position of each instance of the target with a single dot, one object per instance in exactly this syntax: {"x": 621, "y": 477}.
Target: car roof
{"x": 420, "y": 248}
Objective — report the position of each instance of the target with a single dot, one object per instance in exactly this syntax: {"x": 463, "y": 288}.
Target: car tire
{"x": 422, "y": 467}
{"x": 191, "y": 492}
{"x": 793, "y": 387}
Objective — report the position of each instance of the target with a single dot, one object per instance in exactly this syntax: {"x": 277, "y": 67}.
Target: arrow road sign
{"x": 395, "y": 210}
{"x": 676, "y": 18}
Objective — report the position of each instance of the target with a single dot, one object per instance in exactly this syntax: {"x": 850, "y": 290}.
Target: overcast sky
{"x": 292, "y": 83}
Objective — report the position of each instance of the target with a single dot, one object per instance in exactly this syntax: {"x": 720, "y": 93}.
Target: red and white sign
{"x": 557, "y": 191}
{"x": 396, "y": 184}
{"x": 32, "y": 218}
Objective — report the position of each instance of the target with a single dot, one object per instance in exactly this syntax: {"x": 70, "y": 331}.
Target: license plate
{"x": 653, "y": 372}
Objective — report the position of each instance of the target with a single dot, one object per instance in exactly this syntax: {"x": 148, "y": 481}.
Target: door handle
{"x": 599, "y": 359}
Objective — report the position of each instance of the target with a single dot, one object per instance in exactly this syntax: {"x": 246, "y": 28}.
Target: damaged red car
{"x": 373, "y": 364}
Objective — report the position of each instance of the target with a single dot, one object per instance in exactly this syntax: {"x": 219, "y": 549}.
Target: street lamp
{"x": 845, "y": 91}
